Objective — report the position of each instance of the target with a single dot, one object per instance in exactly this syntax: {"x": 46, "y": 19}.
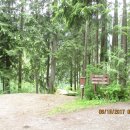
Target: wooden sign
{"x": 82, "y": 80}
{"x": 82, "y": 84}
{"x": 100, "y": 79}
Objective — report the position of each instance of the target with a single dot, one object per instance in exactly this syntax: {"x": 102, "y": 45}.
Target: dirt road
{"x": 28, "y": 111}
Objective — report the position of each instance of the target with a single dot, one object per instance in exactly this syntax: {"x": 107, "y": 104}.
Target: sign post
{"x": 82, "y": 84}
{"x": 99, "y": 79}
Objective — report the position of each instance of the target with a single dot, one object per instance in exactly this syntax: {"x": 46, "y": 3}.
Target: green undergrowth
{"x": 78, "y": 104}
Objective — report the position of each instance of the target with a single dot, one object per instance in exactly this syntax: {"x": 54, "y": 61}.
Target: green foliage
{"x": 80, "y": 10}
{"x": 91, "y": 69}
{"x": 112, "y": 92}
{"x": 89, "y": 92}
{"x": 27, "y": 87}
{"x": 117, "y": 60}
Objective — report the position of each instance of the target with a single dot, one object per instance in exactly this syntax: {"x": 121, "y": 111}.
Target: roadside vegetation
{"x": 79, "y": 104}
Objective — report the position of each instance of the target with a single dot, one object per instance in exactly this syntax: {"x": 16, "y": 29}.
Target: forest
{"x": 50, "y": 44}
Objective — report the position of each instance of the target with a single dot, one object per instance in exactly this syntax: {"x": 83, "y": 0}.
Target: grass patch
{"x": 77, "y": 105}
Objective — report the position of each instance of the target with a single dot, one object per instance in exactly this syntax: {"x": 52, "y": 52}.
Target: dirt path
{"x": 28, "y": 111}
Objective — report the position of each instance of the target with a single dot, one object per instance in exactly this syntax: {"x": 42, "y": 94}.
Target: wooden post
{"x": 82, "y": 84}
{"x": 82, "y": 93}
{"x": 95, "y": 88}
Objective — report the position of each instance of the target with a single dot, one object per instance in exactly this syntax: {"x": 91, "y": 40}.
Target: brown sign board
{"x": 100, "y": 79}
{"x": 82, "y": 80}
{"x": 82, "y": 84}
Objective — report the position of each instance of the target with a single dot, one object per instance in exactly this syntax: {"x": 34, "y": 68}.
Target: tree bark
{"x": 85, "y": 55}
{"x": 103, "y": 55}
{"x": 20, "y": 52}
{"x": 123, "y": 74}
{"x": 77, "y": 70}
{"x": 3, "y": 81}
{"x": 53, "y": 65}
{"x": 97, "y": 41}
{"x": 115, "y": 38}
{"x": 36, "y": 78}
{"x": 20, "y": 72}
{"x": 124, "y": 31}
{"x": 115, "y": 23}
{"x": 48, "y": 67}
{"x": 6, "y": 79}
{"x": 71, "y": 74}
{"x": 75, "y": 86}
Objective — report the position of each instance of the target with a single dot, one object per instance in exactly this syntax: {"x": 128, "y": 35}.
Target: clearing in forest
{"x": 29, "y": 111}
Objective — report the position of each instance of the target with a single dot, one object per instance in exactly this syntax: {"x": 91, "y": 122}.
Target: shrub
{"x": 89, "y": 93}
{"x": 111, "y": 92}
{"x": 26, "y": 87}
{"x": 114, "y": 91}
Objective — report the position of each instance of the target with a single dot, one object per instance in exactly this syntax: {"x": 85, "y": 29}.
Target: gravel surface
{"x": 28, "y": 111}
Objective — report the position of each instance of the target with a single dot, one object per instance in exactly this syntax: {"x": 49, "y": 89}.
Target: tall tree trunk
{"x": 71, "y": 74}
{"x": 48, "y": 67}
{"x": 103, "y": 55}
{"x": 123, "y": 73}
{"x": 115, "y": 23}
{"x": 97, "y": 41}
{"x": 85, "y": 55}
{"x": 20, "y": 72}
{"x": 3, "y": 81}
{"x": 36, "y": 76}
{"x": 124, "y": 31}
{"x": 77, "y": 70}
{"x": 20, "y": 53}
{"x": 115, "y": 37}
{"x": 103, "y": 45}
{"x": 53, "y": 65}
{"x": 6, "y": 79}
{"x": 75, "y": 75}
